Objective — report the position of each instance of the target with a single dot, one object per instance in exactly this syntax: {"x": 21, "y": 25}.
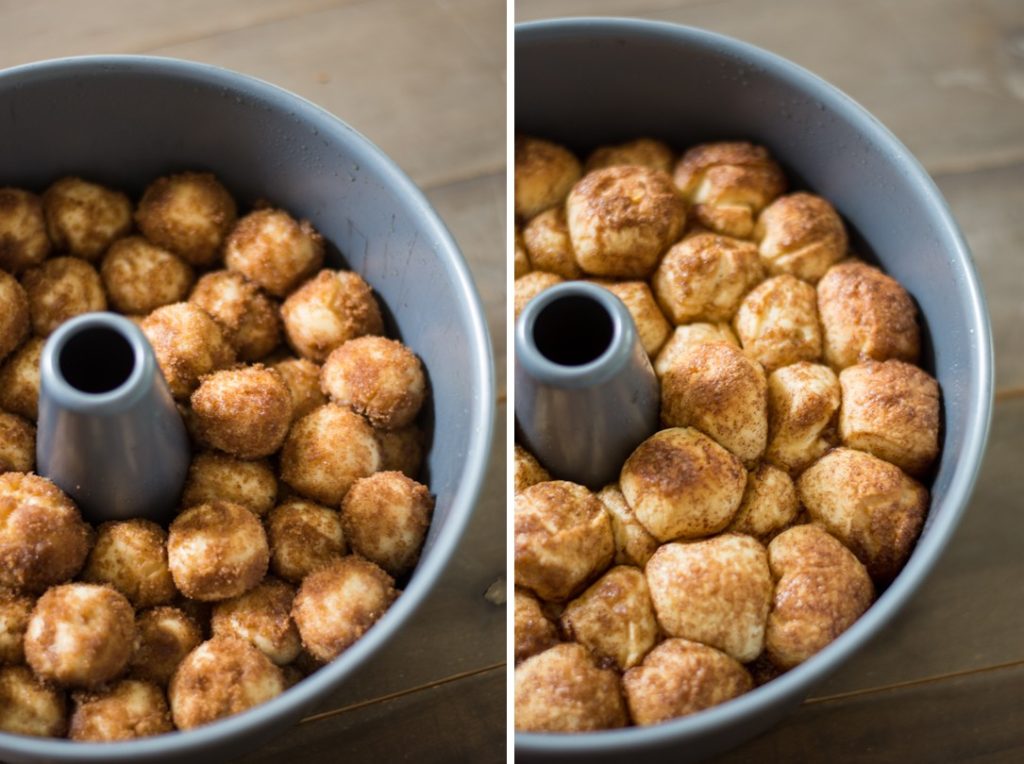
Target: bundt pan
{"x": 586, "y": 82}
{"x": 123, "y": 121}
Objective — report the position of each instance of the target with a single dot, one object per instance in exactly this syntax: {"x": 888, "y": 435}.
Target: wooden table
{"x": 945, "y": 681}
{"x": 424, "y": 80}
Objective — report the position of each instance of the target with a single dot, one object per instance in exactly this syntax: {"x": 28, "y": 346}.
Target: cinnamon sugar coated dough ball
{"x": 84, "y": 218}
{"x": 247, "y": 317}
{"x": 651, "y": 325}
{"x": 769, "y": 504}
{"x": 690, "y": 334}
{"x": 402, "y": 449}
{"x": 14, "y": 314}
{"x": 262, "y": 617}
{"x": 531, "y": 285}
{"x": 544, "y": 173}
{"x": 222, "y": 677}
{"x": 533, "y": 630}
{"x": 23, "y": 239}
{"x": 704, "y": 278}
{"x": 213, "y": 476}
{"x": 385, "y": 518}
{"x": 728, "y": 184}
{"x": 43, "y": 539}
{"x": 521, "y": 262}
{"x": 546, "y": 238}
{"x": 338, "y": 603}
{"x": 801, "y": 234}
{"x": 777, "y": 323}
{"x": 59, "y": 289}
{"x": 820, "y": 590}
{"x": 189, "y": 213}
{"x": 15, "y": 611}
{"x": 723, "y": 393}
{"x": 17, "y": 443}
{"x": 140, "y": 277}
{"x": 80, "y": 635}
{"x": 634, "y": 545}
{"x": 19, "y": 380}
{"x": 131, "y": 556}
{"x": 528, "y": 471}
{"x": 29, "y": 706}
{"x": 377, "y": 377}
{"x": 244, "y": 412}
{"x": 327, "y": 451}
{"x": 891, "y": 409}
{"x": 866, "y": 315}
{"x": 717, "y": 592}
{"x": 217, "y": 551}
{"x": 563, "y": 539}
{"x": 127, "y": 710}
{"x": 802, "y": 403}
{"x": 872, "y": 506}
{"x": 614, "y": 618}
{"x": 274, "y": 250}
{"x": 682, "y": 484}
{"x": 302, "y": 377}
{"x": 187, "y": 344}
{"x": 563, "y": 690}
{"x": 163, "y": 637}
{"x": 329, "y": 310}
{"x": 621, "y": 220}
{"x": 680, "y": 677}
{"x": 645, "y": 152}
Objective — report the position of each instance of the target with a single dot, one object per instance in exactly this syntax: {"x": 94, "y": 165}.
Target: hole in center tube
{"x": 97, "y": 360}
{"x": 573, "y": 330}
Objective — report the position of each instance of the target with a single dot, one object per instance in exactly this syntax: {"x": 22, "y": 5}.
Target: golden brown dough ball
{"x": 14, "y": 314}
{"x": 531, "y": 285}
{"x": 17, "y": 443}
{"x": 127, "y": 710}
{"x": 377, "y": 377}
{"x": 274, "y": 250}
{"x": 769, "y": 504}
{"x": 614, "y": 618}
{"x": 800, "y": 234}
{"x": 244, "y": 412}
{"x": 528, "y": 470}
{"x": 163, "y": 637}
{"x": 15, "y": 611}
{"x": 19, "y": 380}
{"x": 820, "y": 590}
{"x": 140, "y": 277}
{"x": 59, "y": 289}
{"x": 681, "y": 484}
{"x": 522, "y": 259}
{"x": 83, "y": 218}
{"x": 872, "y": 506}
{"x": 563, "y": 539}
{"x": 563, "y": 690}
{"x": 717, "y": 592}
{"x": 23, "y": 239}
{"x": 217, "y": 551}
{"x": 534, "y": 632}
{"x": 704, "y": 278}
{"x": 777, "y": 323}
{"x": 187, "y": 344}
{"x": 802, "y": 403}
{"x": 728, "y": 184}
{"x": 327, "y": 451}
{"x": 303, "y": 537}
{"x": 43, "y": 540}
{"x": 385, "y": 518}
{"x": 891, "y": 409}
{"x": 302, "y": 377}
{"x": 544, "y": 173}
{"x": 680, "y": 677}
{"x": 329, "y": 310}
{"x": 402, "y": 449}
{"x": 723, "y": 393}
{"x": 222, "y": 677}
{"x": 213, "y": 476}
{"x": 651, "y": 325}
{"x": 80, "y": 635}
{"x": 339, "y": 602}
{"x": 29, "y": 706}
{"x": 621, "y": 220}
{"x": 866, "y": 316}
{"x": 546, "y": 238}
{"x": 634, "y": 544}
{"x": 261, "y": 616}
{"x": 131, "y": 556}
{"x": 690, "y": 334}
{"x": 247, "y": 317}
{"x": 645, "y": 152}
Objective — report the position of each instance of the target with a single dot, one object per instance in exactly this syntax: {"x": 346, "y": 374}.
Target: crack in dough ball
{"x": 274, "y": 250}
{"x": 23, "y": 239}
{"x": 802, "y": 403}
{"x": 30, "y": 706}
{"x": 15, "y": 611}
{"x": 529, "y": 286}
{"x": 303, "y": 537}
{"x": 140, "y": 277}
{"x": 800, "y": 234}
{"x": 777, "y": 323}
{"x": 544, "y": 173}
{"x": 131, "y": 556}
{"x": 127, "y": 710}
{"x": 262, "y": 617}
{"x": 528, "y": 471}
{"x": 402, "y": 450}
{"x": 19, "y": 380}
{"x": 247, "y": 317}
{"x": 634, "y": 545}
{"x": 651, "y": 325}
{"x": 691, "y": 334}
{"x": 244, "y": 412}
{"x": 302, "y": 377}
{"x": 769, "y": 504}
{"x": 643, "y": 152}
{"x": 213, "y": 476}
{"x": 533, "y": 630}
{"x": 187, "y": 344}
{"x": 15, "y": 318}
{"x": 546, "y": 239}
{"x": 163, "y": 637}
{"x": 60, "y": 289}
{"x": 17, "y": 443}
{"x": 83, "y": 218}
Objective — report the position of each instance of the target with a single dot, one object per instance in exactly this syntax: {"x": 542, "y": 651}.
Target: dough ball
{"x": 866, "y": 315}
{"x": 140, "y": 277}
{"x": 563, "y": 539}
{"x": 329, "y": 310}
{"x": 303, "y": 537}
{"x": 83, "y": 218}
{"x": 531, "y": 285}
{"x": 187, "y": 344}
{"x": 214, "y": 476}
{"x": 131, "y": 556}
{"x": 800, "y": 234}
{"x": 59, "y": 289}
{"x": 777, "y": 323}
{"x": 19, "y": 380}
{"x": 43, "y": 540}
{"x": 402, "y": 450}
{"x": 769, "y": 504}
{"x": 302, "y": 377}
{"x": 522, "y": 259}
{"x": 820, "y": 590}
{"x": 690, "y": 334}
{"x": 29, "y": 706}
{"x": 534, "y": 632}
{"x": 217, "y": 551}
{"x": 15, "y": 611}
{"x": 546, "y": 238}
{"x": 891, "y": 409}
{"x": 163, "y": 637}
{"x": 802, "y": 403}
{"x": 544, "y": 173}
{"x": 245, "y": 412}
{"x": 338, "y": 603}
{"x": 563, "y": 690}
{"x": 247, "y": 317}
{"x": 622, "y": 219}
{"x": 645, "y": 152}
{"x": 528, "y": 471}
{"x": 870, "y": 505}
{"x": 23, "y": 239}
{"x": 634, "y": 545}
{"x": 377, "y": 377}
{"x": 651, "y": 325}
{"x": 14, "y": 314}
{"x": 80, "y": 635}
{"x": 127, "y": 710}
{"x": 274, "y": 250}
{"x": 261, "y": 616}
{"x": 17, "y": 443}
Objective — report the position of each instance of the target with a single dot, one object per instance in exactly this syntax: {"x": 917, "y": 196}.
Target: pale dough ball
{"x": 528, "y": 471}
{"x": 140, "y": 277}
{"x": 634, "y": 545}
{"x": 131, "y": 556}
{"x": 15, "y": 318}
{"x": 802, "y": 403}
{"x": 59, "y": 289}
{"x": 769, "y": 504}
{"x": 544, "y": 173}
{"x": 533, "y": 630}
{"x": 402, "y": 449}
{"x": 800, "y": 234}
{"x": 19, "y": 380}
{"x": 302, "y": 377}
{"x": 29, "y": 706}
{"x": 17, "y": 443}
{"x": 23, "y": 239}
{"x": 546, "y": 239}
{"x": 247, "y": 317}
{"x": 245, "y": 412}
{"x": 777, "y": 323}
{"x": 303, "y": 537}
{"x": 15, "y": 611}
{"x": 163, "y": 637}
{"x": 187, "y": 344}
{"x": 529, "y": 286}
{"x": 127, "y": 710}
{"x": 213, "y": 476}
{"x": 645, "y": 152}
{"x": 690, "y": 334}
{"x": 83, "y": 218}
{"x": 651, "y": 325}
{"x": 261, "y": 616}
{"x": 274, "y": 250}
